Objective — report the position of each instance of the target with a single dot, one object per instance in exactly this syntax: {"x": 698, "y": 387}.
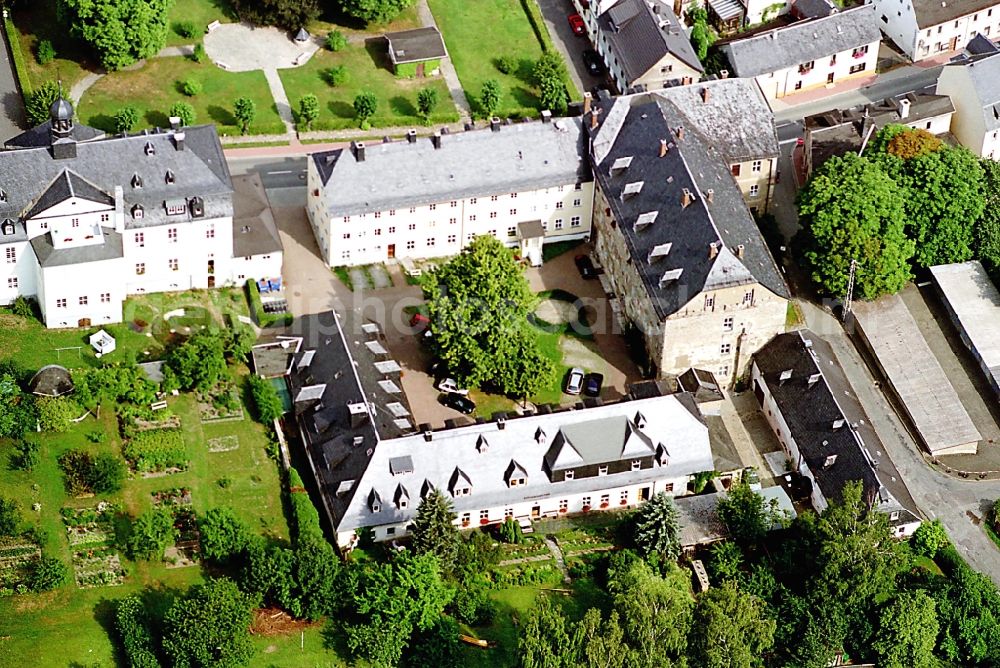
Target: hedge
{"x": 156, "y": 450}
{"x": 133, "y": 626}
{"x": 263, "y": 318}
{"x": 305, "y": 517}
{"x": 265, "y": 399}
{"x": 20, "y": 68}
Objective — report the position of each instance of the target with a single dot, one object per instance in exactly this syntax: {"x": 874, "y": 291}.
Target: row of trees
{"x": 909, "y": 201}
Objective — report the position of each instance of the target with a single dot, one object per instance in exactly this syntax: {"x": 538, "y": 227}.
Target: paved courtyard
{"x": 242, "y": 47}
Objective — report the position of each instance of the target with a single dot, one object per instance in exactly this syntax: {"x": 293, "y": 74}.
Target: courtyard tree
{"x": 119, "y": 31}
{"x": 265, "y": 399}
{"x": 365, "y": 106}
{"x": 434, "y": 530}
{"x": 133, "y": 624}
{"x": 315, "y": 573}
{"x": 490, "y": 98}
{"x": 126, "y": 118}
{"x": 438, "y": 646}
{"x": 38, "y": 102}
{"x": 748, "y": 516}
{"x": 549, "y": 74}
{"x": 288, "y": 14}
{"x": 199, "y": 362}
{"x": 852, "y": 210}
{"x": 547, "y": 638}
{"x": 374, "y": 11}
{"x": 701, "y": 33}
{"x": 209, "y": 626}
{"x": 907, "y": 632}
{"x": 731, "y": 629}
{"x": 183, "y": 111}
{"x": 244, "y": 110}
{"x": 427, "y": 99}
{"x": 308, "y": 109}
{"x": 655, "y": 610}
{"x": 657, "y": 527}
{"x": 478, "y": 304}
{"x": 929, "y": 538}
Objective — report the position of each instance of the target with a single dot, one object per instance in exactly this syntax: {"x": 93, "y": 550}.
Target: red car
{"x": 577, "y": 25}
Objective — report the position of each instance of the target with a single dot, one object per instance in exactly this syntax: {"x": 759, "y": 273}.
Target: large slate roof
{"x": 984, "y": 75}
{"x": 932, "y": 12}
{"x": 474, "y": 163}
{"x": 802, "y": 42}
{"x": 641, "y": 35}
{"x": 41, "y": 135}
{"x": 33, "y": 179}
{"x": 49, "y": 256}
{"x": 633, "y": 128}
{"x": 254, "y": 229}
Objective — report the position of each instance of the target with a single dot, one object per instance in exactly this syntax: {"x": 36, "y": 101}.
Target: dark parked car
{"x": 592, "y": 383}
{"x": 592, "y": 60}
{"x": 585, "y": 266}
{"x": 457, "y": 402}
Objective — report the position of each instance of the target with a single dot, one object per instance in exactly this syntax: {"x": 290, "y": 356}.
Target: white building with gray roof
{"x": 929, "y": 28}
{"x": 88, "y": 219}
{"x": 809, "y": 53}
{"x": 974, "y": 88}
{"x": 424, "y": 197}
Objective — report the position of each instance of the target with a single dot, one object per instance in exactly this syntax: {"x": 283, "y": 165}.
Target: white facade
{"x": 828, "y": 70}
{"x": 899, "y": 22}
{"x": 974, "y": 123}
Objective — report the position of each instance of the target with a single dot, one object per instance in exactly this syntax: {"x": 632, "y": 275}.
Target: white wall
{"x": 840, "y": 65}
{"x": 898, "y": 22}
{"x": 955, "y": 34}
{"x": 256, "y": 267}
{"x": 191, "y": 243}
{"x": 18, "y": 269}
{"x": 967, "y": 124}
{"x": 100, "y": 284}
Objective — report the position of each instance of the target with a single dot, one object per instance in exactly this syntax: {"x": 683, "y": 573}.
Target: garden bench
{"x": 212, "y": 26}
{"x": 158, "y": 405}
{"x": 222, "y": 64}
{"x": 300, "y": 58}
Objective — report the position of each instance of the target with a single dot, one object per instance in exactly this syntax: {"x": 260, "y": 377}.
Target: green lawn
{"x": 155, "y": 86}
{"x": 367, "y": 70}
{"x": 478, "y": 33}
{"x": 36, "y": 21}
{"x": 198, "y": 12}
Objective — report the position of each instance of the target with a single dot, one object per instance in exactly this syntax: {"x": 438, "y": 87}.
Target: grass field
{"x": 155, "y": 86}
{"x": 476, "y": 34}
{"x": 36, "y": 21}
{"x": 198, "y": 12}
{"x": 367, "y": 70}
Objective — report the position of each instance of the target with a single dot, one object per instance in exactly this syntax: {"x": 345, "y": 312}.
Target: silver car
{"x": 574, "y": 380}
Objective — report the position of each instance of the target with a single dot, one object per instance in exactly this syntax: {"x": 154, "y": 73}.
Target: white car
{"x": 451, "y": 385}
{"x": 574, "y": 380}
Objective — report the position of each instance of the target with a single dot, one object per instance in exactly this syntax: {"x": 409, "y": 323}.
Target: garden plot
{"x": 156, "y": 451}
{"x": 224, "y": 443}
{"x": 96, "y": 562}
{"x": 15, "y": 555}
{"x": 177, "y": 496}
{"x": 187, "y": 540}
{"x": 221, "y": 403}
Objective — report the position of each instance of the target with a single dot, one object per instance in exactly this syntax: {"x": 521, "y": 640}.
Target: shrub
{"x": 929, "y": 538}
{"x": 261, "y": 317}
{"x": 305, "y": 517}
{"x": 244, "y": 110}
{"x": 265, "y": 399}
{"x": 365, "y": 106}
{"x": 199, "y": 55}
{"x": 46, "y": 574}
{"x": 335, "y": 76}
{"x": 185, "y": 29}
{"x": 308, "y": 109}
{"x": 38, "y": 102}
{"x": 183, "y": 111}
{"x": 133, "y": 626}
{"x": 126, "y": 118}
{"x": 191, "y": 87}
{"x": 57, "y": 413}
{"x": 427, "y": 99}
{"x": 45, "y": 53}
{"x": 10, "y": 516}
{"x": 25, "y": 307}
{"x": 335, "y": 40}
{"x": 97, "y": 437}
{"x": 223, "y": 534}
{"x": 510, "y": 531}
{"x": 25, "y": 455}
{"x": 156, "y": 450}
{"x": 506, "y": 64}
{"x": 107, "y": 474}
{"x": 150, "y": 534}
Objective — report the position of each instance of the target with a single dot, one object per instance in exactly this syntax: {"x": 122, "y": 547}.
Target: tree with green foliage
{"x": 506, "y": 64}
{"x": 929, "y": 538}
{"x": 701, "y": 33}
{"x": 10, "y": 517}
{"x": 198, "y": 54}
{"x": 265, "y": 399}
{"x": 748, "y": 516}
{"x": 308, "y": 109}
{"x": 126, "y": 118}
{"x": 510, "y": 532}
{"x": 549, "y": 75}
{"x": 123, "y": 383}
{"x": 335, "y": 41}
{"x": 427, "y": 99}
{"x": 365, "y": 106}
{"x": 223, "y": 534}
{"x": 288, "y": 14}
{"x": 655, "y": 610}
{"x": 186, "y": 29}
{"x": 602, "y": 643}
{"x": 244, "y": 111}
{"x": 150, "y": 534}
{"x": 119, "y": 31}
{"x": 851, "y": 210}
{"x": 191, "y": 86}
{"x": 968, "y": 611}
{"x": 987, "y": 232}
{"x": 490, "y": 98}
{"x": 56, "y": 414}
{"x": 107, "y": 474}
{"x": 47, "y": 573}
{"x": 726, "y": 562}
{"x": 434, "y": 530}
{"x": 18, "y": 413}
{"x": 438, "y": 646}
{"x": 133, "y": 625}
{"x": 546, "y": 641}
{"x": 478, "y": 304}
{"x": 38, "y": 102}
{"x": 316, "y": 571}
{"x": 731, "y": 629}
{"x": 25, "y": 455}
{"x": 907, "y": 632}
{"x": 658, "y": 528}
{"x": 209, "y": 626}
{"x": 374, "y": 11}
{"x": 183, "y": 111}
{"x": 335, "y": 76}
{"x": 45, "y": 52}
{"x": 199, "y": 362}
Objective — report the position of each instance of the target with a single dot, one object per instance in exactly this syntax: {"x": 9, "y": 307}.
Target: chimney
{"x": 495, "y": 124}
{"x": 724, "y": 74}
{"x": 501, "y": 423}
{"x": 663, "y": 148}
{"x": 904, "y": 108}
{"x": 785, "y": 375}
{"x": 359, "y": 151}
{"x": 713, "y": 249}
{"x": 175, "y": 123}
{"x": 813, "y": 379}
{"x": 428, "y": 435}
{"x": 830, "y": 461}
{"x": 546, "y": 116}
{"x": 686, "y": 198}
{"x": 739, "y": 251}
{"x": 705, "y": 94}
{"x": 680, "y": 132}
{"x": 411, "y": 136}
{"x": 709, "y": 197}
{"x": 593, "y": 118}
{"x": 436, "y": 140}
{"x": 358, "y": 413}
{"x": 179, "y": 141}
{"x": 587, "y": 99}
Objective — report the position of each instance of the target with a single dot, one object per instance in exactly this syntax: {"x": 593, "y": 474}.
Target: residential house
{"x": 645, "y": 47}
{"x": 810, "y": 405}
{"x": 928, "y": 28}
{"x": 680, "y": 247}
{"x": 257, "y": 248}
{"x": 974, "y": 87}
{"x": 839, "y": 131}
{"x": 417, "y": 52}
{"x": 373, "y": 465}
{"x": 807, "y": 54}
{"x": 430, "y": 196}
{"x": 86, "y": 219}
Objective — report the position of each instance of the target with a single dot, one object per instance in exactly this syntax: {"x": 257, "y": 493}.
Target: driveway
{"x": 555, "y": 13}
{"x": 12, "y": 117}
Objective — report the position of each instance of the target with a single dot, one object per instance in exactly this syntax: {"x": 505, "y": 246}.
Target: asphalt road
{"x": 556, "y": 13}
{"x": 12, "y": 117}
{"x": 280, "y": 172}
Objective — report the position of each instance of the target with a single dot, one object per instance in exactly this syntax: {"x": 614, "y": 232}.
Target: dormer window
{"x": 460, "y": 484}
{"x": 137, "y": 212}
{"x": 175, "y": 207}
{"x": 662, "y": 456}
{"x": 482, "y": 445}
{"x": 150, "y": 149}
{"x": 402, "y": 498}
{"x": 516, "y": 475}
{"x": 636, "y": 464}
{"x": 540, "y": 436}
{"x": 3, "y": 195}
{"x": 169, "y": 177}
{"x": 569, "y": 474}
{"x": 602, "y": 469}
{"x": 136, "y": 181}
{"x": 374, "y": 501}
{"x": 639, "y": 420}
{"x": 8, "y": 227}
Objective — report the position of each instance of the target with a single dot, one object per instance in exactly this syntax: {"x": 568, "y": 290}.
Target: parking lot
{"x": 556, "y": 13}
